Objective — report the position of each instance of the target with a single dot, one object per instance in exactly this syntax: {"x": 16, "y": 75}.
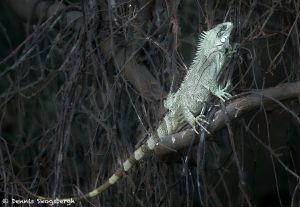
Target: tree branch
{"x": 234, "y": 110}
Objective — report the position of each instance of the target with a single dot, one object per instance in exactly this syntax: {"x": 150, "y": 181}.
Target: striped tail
{"x": 135, "y": 157}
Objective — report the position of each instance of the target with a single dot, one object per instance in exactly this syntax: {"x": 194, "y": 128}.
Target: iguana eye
{"x": 221, "y": 31}
{"x": 223, "y": 28}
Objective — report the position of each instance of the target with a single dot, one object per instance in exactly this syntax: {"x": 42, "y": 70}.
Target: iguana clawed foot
{"x": 197, "y": 121}
{"x": 232, "y": 49}
{"x": 222, "y": 94}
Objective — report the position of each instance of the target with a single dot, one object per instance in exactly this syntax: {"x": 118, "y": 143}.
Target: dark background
{"x": 82, "y": 83}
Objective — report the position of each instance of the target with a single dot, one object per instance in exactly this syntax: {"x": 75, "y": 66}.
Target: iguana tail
{"x": 136, "y": 156}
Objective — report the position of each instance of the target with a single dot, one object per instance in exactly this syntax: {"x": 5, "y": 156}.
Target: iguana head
{"x": 213, "y": 47}
{"x": 217, "y": 38}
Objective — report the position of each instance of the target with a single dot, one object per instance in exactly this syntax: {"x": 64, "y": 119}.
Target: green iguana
{"x": 186, "y": 104}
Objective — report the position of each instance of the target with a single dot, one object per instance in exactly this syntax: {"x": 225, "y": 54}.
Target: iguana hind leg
{"x": 194, "y": 121}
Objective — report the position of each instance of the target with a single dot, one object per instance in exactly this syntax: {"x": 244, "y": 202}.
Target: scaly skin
{"x": 201, "y": 78}
{"x": 187, "y": 102}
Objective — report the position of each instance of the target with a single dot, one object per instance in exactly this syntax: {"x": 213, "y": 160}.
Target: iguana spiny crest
{"x": 186, "y": 104}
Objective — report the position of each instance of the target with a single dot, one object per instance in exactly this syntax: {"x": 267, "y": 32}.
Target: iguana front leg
{"x": 220, "y": 93}
{"x": 232, "y": 49}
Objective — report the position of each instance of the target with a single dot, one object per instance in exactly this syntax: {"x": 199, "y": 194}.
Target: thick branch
{"x": 136, "y": 73}
{"x": 234, "y": 109}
